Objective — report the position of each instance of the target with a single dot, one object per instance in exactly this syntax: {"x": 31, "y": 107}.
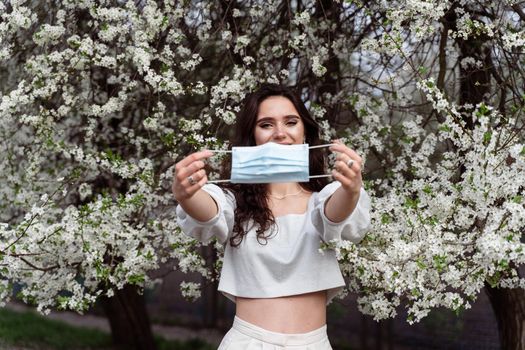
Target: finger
{"x": 355, "y": 164}
{"x": 203, "y": 181}
{"x": 198, "y": 183}
{"x": 337, "y": 143}
{"x": 339, "y": 146}
{"x": 190, "y": 169}
{"x": 192, "y": 179}
{"x": 350, "y": 163}
{"x": 345, "y": 158}
{"x": 352, "y": 185}
{"x": 345, "y": 182}
{"x": 193, "y": 158}
{"x": 198, "y": 175}
{"x": 342, "y": 149}
{"x": 344, "y": 169}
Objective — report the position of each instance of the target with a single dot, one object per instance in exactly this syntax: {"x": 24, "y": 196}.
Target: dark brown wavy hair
{"x": 252, "y": 199}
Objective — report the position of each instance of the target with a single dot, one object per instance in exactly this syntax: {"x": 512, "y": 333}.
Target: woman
{"x": 273, "y": 269}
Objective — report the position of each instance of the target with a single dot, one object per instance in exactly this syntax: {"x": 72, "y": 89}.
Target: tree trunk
{"x": 509, "y": 308}
{"x": 210, "y": 295}
{"x": 364, "y": 333}
{"x": 128, "y": 319}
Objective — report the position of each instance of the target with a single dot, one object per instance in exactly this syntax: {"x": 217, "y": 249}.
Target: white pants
{"x": 246, "y": 336}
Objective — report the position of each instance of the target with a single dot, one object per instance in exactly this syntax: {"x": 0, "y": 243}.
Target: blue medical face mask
{"x": 270, "y": 163}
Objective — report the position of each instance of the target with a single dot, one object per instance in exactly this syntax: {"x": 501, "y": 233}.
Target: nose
{"x": 278, "y": 133}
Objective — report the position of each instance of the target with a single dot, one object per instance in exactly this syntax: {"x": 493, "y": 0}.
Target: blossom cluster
{"x": 456, "y": 224}
{"x": 448, "y": 203}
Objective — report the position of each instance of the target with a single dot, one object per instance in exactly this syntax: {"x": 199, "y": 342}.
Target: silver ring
{"x": 350, "y": 163}
{"x": 191, "y": 180}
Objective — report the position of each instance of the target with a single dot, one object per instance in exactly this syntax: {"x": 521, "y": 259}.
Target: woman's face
{"x": 278, "y": 121}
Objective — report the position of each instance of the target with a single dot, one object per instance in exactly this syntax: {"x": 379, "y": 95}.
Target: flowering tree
{"x": 448, "y": 180}
{"x": 99, "y": 100}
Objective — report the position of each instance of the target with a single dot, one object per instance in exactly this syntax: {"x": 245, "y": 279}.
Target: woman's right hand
{"x": 189, "y": 175}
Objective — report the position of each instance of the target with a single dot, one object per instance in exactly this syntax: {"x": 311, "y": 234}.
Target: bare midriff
{"x": 290, "y": 314}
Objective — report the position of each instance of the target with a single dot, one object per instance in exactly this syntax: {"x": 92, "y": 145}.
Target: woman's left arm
{"x": 348, "y": 172}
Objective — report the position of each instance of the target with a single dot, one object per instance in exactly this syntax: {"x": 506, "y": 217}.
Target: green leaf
{"x": 482, "y": 110}
{"x": 38, "y": 83}
{"x": 168, "y": 139}
{"x": 164, "y": 68}
{"x": 62, "y": 302}
{"x": 136, "y": 279}
{"x": 432, "y": 220}
{"x": 102, "y": 271}
{"x": 411, "y": 203}
{"x": 458, "y": 307}
{"x": 504, "y": 264}
{"x": 415, "y": 292}
{"x": 494, "y": 279}
{"x": 421, "y": 264}
{"x": 486, "y": 137}
{"x": 440, "y": 262}
{"x": 445, "y": 128}
{"x": 114, "y": 158}
{"x": 74, "y": 44}
{"x": 353, "y": 99}
{"x": 386, "y": 218}
{"x": 363, "y": 112}
{"x": 407, "y": 139}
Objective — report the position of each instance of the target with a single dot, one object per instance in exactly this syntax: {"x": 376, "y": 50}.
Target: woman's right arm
{"x": 203, "y": 213}
{"x": 196, "y": 203}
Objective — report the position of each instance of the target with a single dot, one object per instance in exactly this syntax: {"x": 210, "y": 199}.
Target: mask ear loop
{"x": 310, "y": 177}
{"x": 220, "y": 181}
{"x": 320, "y": 146}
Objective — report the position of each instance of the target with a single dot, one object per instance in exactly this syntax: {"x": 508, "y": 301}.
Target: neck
{"x": 283, "y": 189}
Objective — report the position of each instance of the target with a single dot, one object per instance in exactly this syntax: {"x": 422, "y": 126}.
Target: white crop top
{"x": 290, "y": 263}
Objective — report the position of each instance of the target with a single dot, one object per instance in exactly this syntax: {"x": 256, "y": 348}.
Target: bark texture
{"x": 129, "y": 321}
{"x": 509, "y": 308}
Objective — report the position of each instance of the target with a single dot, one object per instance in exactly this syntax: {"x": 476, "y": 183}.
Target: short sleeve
{"x": 353, "y": 228}
{"x": 219, "y": 226}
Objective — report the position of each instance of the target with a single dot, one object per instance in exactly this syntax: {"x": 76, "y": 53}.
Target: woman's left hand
{"x": 347, "y": 168}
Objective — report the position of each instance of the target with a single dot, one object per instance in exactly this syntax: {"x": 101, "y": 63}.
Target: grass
{"x": 32, "y": 331}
